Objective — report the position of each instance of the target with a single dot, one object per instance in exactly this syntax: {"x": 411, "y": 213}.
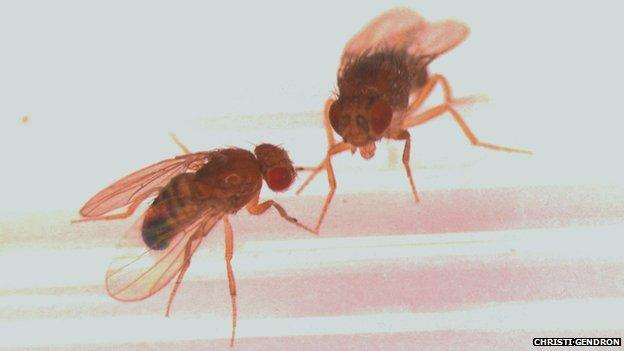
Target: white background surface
{"x": 104, "y": 82}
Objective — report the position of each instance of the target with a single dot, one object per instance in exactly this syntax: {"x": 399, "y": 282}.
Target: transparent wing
{"x": 404, "y": 29}
{"x": 140, "y": 184}
{"x": 392, "y": 29}
{"x": 137, "y": 273}
{"x": 438, "y": 38}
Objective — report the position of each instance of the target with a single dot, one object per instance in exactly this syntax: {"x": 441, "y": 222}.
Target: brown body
{"x": 387, "y": 77}
{"x": 194, "y": 192}
{"x": 229, "y": 180}
{"x": 383, "y": 81}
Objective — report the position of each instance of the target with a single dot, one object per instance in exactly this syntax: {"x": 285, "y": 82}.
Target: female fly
{"x": 383, "y": 80}
{"x": 193, "y": 193}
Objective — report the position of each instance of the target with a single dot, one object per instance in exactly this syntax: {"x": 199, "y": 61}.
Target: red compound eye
{"x": 381, "y": 115}
{"x": 336, "y": 118}
{"x": 279, "y": 178}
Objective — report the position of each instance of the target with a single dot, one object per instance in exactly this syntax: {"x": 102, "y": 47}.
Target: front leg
{"x": 255, "y": 207}
{"x": 331, "y": 178}
{"x": 329, "y": 131}
{"x": 331, "y": 141}
{"x": 333, "y": 150}
{"x": 405, "y": 135}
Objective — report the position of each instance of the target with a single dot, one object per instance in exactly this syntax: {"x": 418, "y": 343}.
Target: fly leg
{"x": 333, "y": 150}
{"x": 447, "y": 106}
{"x": 331, "y": 178}
{"x": 229, "y": 252}
{"x": 187, "y": 262}
{"x": 331, "y": 141}
{"x": 315, "y": 171}
{"x": 405, "y": 135}
{"x": 179, "y": 143}
{"x": 329, "y": 131}
{"x": 326, "y": 164}
{"x": 257, "y": 208}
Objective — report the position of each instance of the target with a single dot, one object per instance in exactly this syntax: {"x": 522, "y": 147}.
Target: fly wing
{"x": 140, "y": 184}
{"x": 136, "y": 273}
{"x": 404, "y": 30}
{"x": 392, "y": 29}
{"x": 438, "y": 38}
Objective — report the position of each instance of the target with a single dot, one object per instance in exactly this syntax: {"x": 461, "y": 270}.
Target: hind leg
{"x": 187, "y": 262}
{"x": 447, "y": 106}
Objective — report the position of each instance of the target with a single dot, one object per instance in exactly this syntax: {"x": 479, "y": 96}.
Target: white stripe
{"x": 570, "y": 315}
{"x": 274, "y": 257}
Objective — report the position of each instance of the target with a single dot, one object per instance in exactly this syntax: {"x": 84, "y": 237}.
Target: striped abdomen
{"x": 176, "y": 205}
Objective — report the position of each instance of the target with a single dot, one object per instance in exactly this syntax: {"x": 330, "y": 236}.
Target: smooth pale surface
{"x": 502, "y": 248}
